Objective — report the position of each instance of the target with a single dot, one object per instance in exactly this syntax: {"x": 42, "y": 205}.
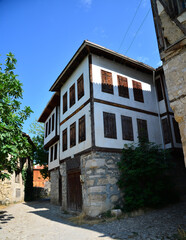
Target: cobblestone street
{"x": 41, "y": 220}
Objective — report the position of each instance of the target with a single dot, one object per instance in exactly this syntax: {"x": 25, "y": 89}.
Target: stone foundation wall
{"x": 63, "y": 173}
{"x": 100, "y": 173}
{"x": 175, "y": 72}
{"x": 54, "y": 192}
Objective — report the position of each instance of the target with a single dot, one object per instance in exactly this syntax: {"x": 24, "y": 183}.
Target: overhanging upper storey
{"x": 53, "y": 102}
{"x": 89, "y": 47}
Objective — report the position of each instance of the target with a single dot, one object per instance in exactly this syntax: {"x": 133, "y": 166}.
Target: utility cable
{"x": 129, "y": 26}
{"x": 138, "y": 31}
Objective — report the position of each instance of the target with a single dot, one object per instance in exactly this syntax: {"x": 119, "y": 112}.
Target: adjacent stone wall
{"x": 54, "y": 192}
{"x": 100, "y": 173}
{"x": 63, "y": 173}
{"x": 175, "y": 72}
{"x": 11, "y": 191}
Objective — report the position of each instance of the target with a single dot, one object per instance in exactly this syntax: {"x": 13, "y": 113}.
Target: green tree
{"x": 13, "y": 144}
{"x": 144, "y": 177}
{"x": 40, "y": 154}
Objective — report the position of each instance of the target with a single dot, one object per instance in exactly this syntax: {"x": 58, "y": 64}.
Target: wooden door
{"x": 74, "y": 191}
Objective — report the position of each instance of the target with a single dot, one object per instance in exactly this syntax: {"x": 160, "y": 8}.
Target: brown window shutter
{"x": 142, "y": 129}
{"x": 53, "y": 122}
{"x": 73, "y": 134}
{"x": 137, "y": 90}
{"x": 159, "y": 89}
{"x": 82, "y": 129}
{"x": 176, "y": 131}
{"x": 109, "y": 121}
{"x": 166, "y": 131}
{"x": 46, "y": 130}
{"x": 51, "y": 154}
{"x": 64, "y": 139}
{"x": 72, "y": 95}
{"x": 65, "y": 102}
{"x": 127, "y": 129}
{"x": 107, "y": 85}
{"x": 80, "y": 84}
{"x": 123, "y": 87}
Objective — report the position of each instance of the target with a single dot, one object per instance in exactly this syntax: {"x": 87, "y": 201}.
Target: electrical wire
{"x": 129, "y": 25}
{"x": 137, "y": 31}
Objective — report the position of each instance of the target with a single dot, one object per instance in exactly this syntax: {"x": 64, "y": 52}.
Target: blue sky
{"x": 44, "y": 34}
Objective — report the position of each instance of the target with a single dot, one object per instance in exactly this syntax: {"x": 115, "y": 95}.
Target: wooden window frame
{"x": 109, "y": 123}
{"x": 137, "y": 90}
{"x": 55, "y": 151}
{"x": 52, "y": 122}
{"x": 51, "y": 154}
{"x": 80, "y": 87}
{"x": 65, "y": 105}
{"x": 72, "y": 95}
{"x": 123, "y": 89}
{"x": 142, "y": 129}
{"x": 49, "y": 126}
{"x": 159, "y": 89}
{"x": 106, "y": 82}
{"x": 127, "y": 128}
{"x": 176, "y": 131}
{"x": 82, "y": 129}
{"x": 46, "y": 130}
{"x": 73, "y": 134}
{"x": 65, "y": 140}
{"x": 166, "y": 131}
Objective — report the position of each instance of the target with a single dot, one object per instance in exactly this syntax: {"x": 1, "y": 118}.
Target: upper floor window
{"x": 73, "y": 134}
{"x": 72, "y": 95}
{"x": 55, "y": 151}
{"x": 64, "y": 102}
{"x": 46, "y": 129}
{"x": 142, "y": 129}
{"x": 107, "y": 85}
{"x": 64, "y": 140}
{"x": 51, "y": 154}
{"x": 137, "y": 89}
{"x": 127, "y": 130}
{"x": 176, "y": 131}
{"x": 82, "y": 129}
{"x": 53, "y": 122}
{"x": 49, "y": 126}
{"x": 80, "y": 87}
{"x": 123, "y": 87}
{"x": 17, "y": 176}
{"x": 109, "y": 120}
{"x": 166, "y": 131}
{"x": 159, "y": 89}
{"x": 175, "y": 7}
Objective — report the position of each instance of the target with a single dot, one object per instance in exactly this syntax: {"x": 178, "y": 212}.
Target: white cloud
{"x": 143, "y": 59}
{"x": 87, "y": 3}
{"x": 159, "y": 63}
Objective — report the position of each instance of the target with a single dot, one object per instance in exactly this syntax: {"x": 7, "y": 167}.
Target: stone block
{"x": 102, "y": 181}
{"x": 90, "y": 182}
{"x": 97, "y": 189}
{"x": 100, "y": 171}
{"x": 114, "y": 198}
{"x": 95, "y": 163}
{"x": 116, "y": 212}
{"x": 97, "y": 197}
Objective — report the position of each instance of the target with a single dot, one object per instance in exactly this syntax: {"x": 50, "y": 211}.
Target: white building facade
{"x": 102, "y": 101}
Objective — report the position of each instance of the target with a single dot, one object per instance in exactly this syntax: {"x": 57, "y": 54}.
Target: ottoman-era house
{"x": 170, "y": 25}
{"x": 102, "y": 100}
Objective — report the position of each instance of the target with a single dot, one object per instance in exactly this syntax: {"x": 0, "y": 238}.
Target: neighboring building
{"x": 102, "y": 101}
{"x": 38, "y": 180}
{"x": 12, "y": 190}
{"x": 170, "y": 24}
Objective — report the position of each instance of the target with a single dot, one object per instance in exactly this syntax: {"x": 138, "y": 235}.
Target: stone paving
{"x": 41, "y": 220}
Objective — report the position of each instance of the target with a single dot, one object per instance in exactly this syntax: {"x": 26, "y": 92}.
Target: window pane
{"x": 123, "y": 87}
{"x": 64, "y": 139}
{"x": 72, "y": 95}
{"x": 80, "y": 84}
{"x": 137, "y": 90}
{"x": 73, "y": 134}
{"x": 82, "y": 133}
{"x": 127, "y": 129}
{"x": 65, "y": 102}
{"x": 142, "y": 129}
{"x": 109, "y": 125}
{"x": 166, "y": 131}
{"x": 107, "y": 85}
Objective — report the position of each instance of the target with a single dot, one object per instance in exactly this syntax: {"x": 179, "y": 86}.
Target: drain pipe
{"x": 157, "y": 103}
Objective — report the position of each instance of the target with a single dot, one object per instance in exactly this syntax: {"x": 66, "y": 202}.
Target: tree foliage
{"x": 144, "y": 177}
{"x": 40, "y": 154}
{"x": 13, "y": 144}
